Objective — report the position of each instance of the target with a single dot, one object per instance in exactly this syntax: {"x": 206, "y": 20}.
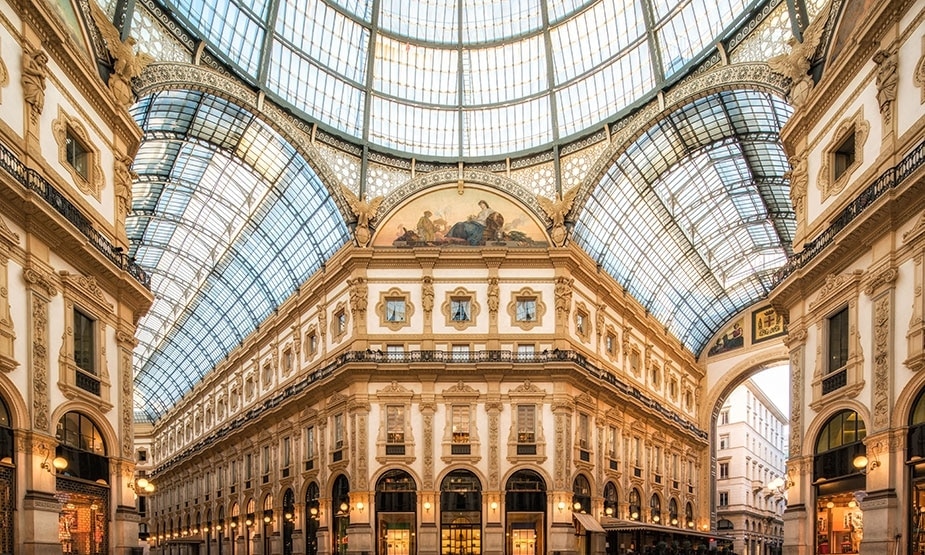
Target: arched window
{"x": 340, "y": 508}
{"x": 461, "y": 513}
{"x": 611, "y": 499}
{"x": 312, "y": 517}
{"x": 655, "y": 508}
{"x": 525, "y": 509}
{"x": 689, "y": 514}
{"x": 83, "y": 486}
{"x": 635, "y": 505}
{"x": 673, "y": 512}
{"x": 724, "y": 524}
{"x": 581, "y": 495}
{"x": 288, "y": 520}
{"x": 915, "y": 458}
{"x": 838, "y": 443}
{"x": 396, "y": 510}
{"x": 7, "y": 479}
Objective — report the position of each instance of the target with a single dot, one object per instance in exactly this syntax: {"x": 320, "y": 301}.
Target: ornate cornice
{"x": 38, "y": 279}
{"x": 835, "y": 283}
{"x": 876, "y": 280}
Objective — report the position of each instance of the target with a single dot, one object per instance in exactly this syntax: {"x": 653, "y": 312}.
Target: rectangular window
{"x": 266, "y": 459}
{"x": 395, "y": 309}
{"x": 395, "y": 424}
{"x": 526, "y": 423}
{"x": 657, "y": 459}
{"x": 309, "y": 443}
{"x": 612, "y": 442}
{"x": 675, "y": 467}
{"x": 844, "y": 155}
{"x": 77, "y": 154}
{"x": 610, "y": 344}
{"x": 724, "y": 441}
{"x": 84, "y": 349}
{"x": 287, "y": 453}
{"x": 338, "y": 431}
{"x": 724, "y": 417}
{"x": 312, "y": 343}
{"x": 233, "y": 472}
{"x": 724, "y": 499}
{"x": 526, "y": 309}
{"x": 460, "y": 352}
{"x": 460, "y": 424}
{"x": 526, "y": 352}
{"x": 460, "y": 309}
{"x": 581, "y": 320}
{"x": 248, "y": 466}
{"x": 340, "y": 320}
{"x": 723, "y": 470}
{"x": 637, "y": 452}
{"x": 584, "y": 441}
{"x": 287, "y": 361}
{"x": 838, "y": 340}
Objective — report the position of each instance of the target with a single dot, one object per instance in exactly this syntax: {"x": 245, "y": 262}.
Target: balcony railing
{"x": 890, "y": 179}
{"x": 446, "y": 357}
{"x": 36, "y": 182}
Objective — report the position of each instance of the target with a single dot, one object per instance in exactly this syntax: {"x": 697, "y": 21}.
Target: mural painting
{"x": 444, "y": 217}
{"x": 732, "y": 338}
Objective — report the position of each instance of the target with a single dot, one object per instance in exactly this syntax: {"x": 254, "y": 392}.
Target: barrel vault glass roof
{"x": 443, "y": 79}
{"x": 229, "y": 219}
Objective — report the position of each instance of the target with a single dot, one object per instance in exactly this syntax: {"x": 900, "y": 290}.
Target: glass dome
{"x": 460, "y": 79}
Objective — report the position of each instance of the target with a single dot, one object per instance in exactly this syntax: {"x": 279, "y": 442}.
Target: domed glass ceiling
{"x": 460, "y": 79}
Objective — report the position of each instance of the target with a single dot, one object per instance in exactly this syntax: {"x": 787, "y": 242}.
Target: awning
{"x": 587, "y": 522}
{"x": 618, "y": 525}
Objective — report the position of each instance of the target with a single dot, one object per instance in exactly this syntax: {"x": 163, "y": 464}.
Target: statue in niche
{"x": 34, "y": 72}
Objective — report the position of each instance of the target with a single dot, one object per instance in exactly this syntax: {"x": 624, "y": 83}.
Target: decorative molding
{"x": 359, "y": 301}
{"x": 389, "y": 321}
{"x": 526, "y": 294}
{"x": 919, "y": 76}
{"x": 38, "y": 369}
{"x": 39, "y": 280}
{"x": 881, "y": 395}
{"x": 885, "y": 277}
{"x": 917, "y": 231}
{"x": 826, "y": 181}
{"x": 835, "y": 283}
{"x": 563, "y": 294}
{"x": 92, "y": 183}
{"x": 467, "y": 320}
{"x": 34, "y": 73}
{"x": 799, "y": 182}
{"x": 887, "y": 82}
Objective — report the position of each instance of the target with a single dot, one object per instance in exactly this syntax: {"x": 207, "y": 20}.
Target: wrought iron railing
{"x": 888, "y": 180}
{"x": 448, "y": 357}
{"x": 36, "y": 182}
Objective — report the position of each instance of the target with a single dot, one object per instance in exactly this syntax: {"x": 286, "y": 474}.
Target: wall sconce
{"x": 249, "y": 521}
{"x": 864, "y": 465}
{"x": 314, "y": 513}
{"x": 690, "y": 523}
{"x": 705, "y": 527}
{"x": 195, "y": 530}
{"x": 427, "y": 506}
{"x": 608, "y": 511}
{"x": 205, "y": 529}
{"x": 344, "y": 509}
{"x": 561, "y": 506}
{"x": 361, "y": 506}
{"x": 290, "y": 517}
{"x": 656, "y": 518}
{"x": 234, "y": 523}
{"x": 141, "y": 485}
{"x": 674, "y": 522}
{"x": 634, "y": 515}
{"x": 218, "y": 527}
{"x": 494, "y": 505}
{"x": 58, "y": 463}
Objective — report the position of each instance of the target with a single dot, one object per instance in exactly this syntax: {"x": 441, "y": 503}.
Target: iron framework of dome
{"x": 222, "y": 198}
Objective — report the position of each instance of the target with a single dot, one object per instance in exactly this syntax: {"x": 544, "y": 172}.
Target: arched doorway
{"x": 525, "y": 513}
{"x": 655, "y": 508}
{"x": 312, "y": 518}
{"x": 460, "y": 514}
{"x": 839, "y": 520}
{"x": 340, "y": 508}
{"x": 83, "y": 486}
{"x": 915, "y": 457}
{"x": 288, "y": 520}
{"x": 267, "y": 522}
{"x": 7, "y": 479}
{"x": 234, "y": 531}
{"x": 396, "y": 506}
{"x": 581, "y": 495}
{"x": 634, "y": 508}
{"x": 249, "y": 520}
